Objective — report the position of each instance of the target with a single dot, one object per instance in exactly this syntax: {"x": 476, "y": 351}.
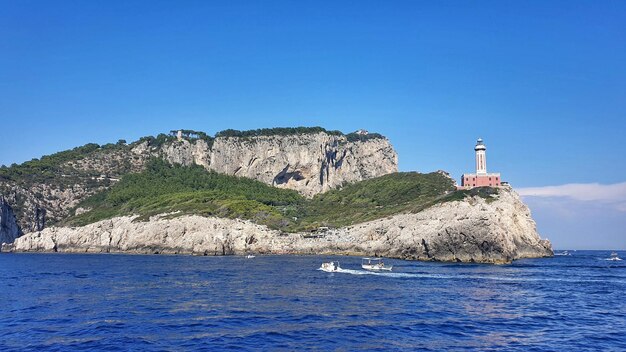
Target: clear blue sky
{"x": 543, "y": 82}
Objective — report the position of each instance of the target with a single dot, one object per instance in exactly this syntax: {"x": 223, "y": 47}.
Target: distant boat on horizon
{"x": 614, "y": 257}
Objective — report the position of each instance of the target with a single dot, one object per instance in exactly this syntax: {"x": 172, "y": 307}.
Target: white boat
{"x": 250, "y": 256}
{"x": 330, "y": 267}
{"x": 563, "y": 253}
{"x": 375, "y": 264}
{"x": 614, "y": 257}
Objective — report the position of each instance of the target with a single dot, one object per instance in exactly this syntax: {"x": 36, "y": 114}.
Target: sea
{"x": 109, "y": 302}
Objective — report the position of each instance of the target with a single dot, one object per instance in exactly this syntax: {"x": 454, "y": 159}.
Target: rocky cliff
{"x": 9, "y": 229}
{"x": 310, "y": 163}
{"x": 42, "y": 192}
{"x": 475, "y": 229}
{"x": 307, "y": 163}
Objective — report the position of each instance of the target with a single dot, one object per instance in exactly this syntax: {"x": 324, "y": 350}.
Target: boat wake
{"x": 386, "y": 274}
{"x": 465, "y": 277}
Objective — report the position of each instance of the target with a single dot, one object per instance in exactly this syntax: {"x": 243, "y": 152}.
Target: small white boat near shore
{"x": 563, "y": 253}
{"x": 330, "y": 267}
{"x": 250, "y": 256}
{"x": 375, "y": 264}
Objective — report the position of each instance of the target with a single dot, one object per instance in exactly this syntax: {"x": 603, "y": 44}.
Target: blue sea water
{"x": 64, "y": 302}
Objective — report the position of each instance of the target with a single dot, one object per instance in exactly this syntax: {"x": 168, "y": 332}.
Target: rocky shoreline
{"x": 497, "y": 230}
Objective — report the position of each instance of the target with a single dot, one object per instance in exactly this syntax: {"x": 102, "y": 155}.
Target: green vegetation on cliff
{"x": 486, "y": 193}
{"x": 56, "y": 171}
{"x": 165, "y": 188}
{"x": 162, "y": 138}
{"x": 53, "y": 168}
{"x": 49, "y": 167}
{"x": 55, "y": 182}
{"x": 289, "y": 131}
{"x": 277, "y": 131}
{"x": 356, "y": 137}
{"x": 374, "y": 198}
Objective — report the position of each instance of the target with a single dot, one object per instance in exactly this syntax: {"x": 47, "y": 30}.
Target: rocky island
{"x": 278, "y": 191}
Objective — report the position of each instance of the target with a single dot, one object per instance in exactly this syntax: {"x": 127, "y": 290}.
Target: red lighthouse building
{"x": 481, "y": 177}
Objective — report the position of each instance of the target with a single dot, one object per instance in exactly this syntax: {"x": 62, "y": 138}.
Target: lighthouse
{"x": 481, "y": 157}
{"x": 481, "y": 178}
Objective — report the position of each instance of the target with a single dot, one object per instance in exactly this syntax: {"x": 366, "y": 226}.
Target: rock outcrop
{"x": 38, "y": 222}
{"x": 42, "y": 203}
{"x": 495, "y": 230}
{"x": 185, "y": 152}
{"x": 309, "y": 163}
{"x": 9, "y": 229}
{"x": 39, "y": 201}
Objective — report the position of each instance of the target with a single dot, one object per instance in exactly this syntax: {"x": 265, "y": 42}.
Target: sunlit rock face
{"x": 496, "y": 230}
{"x": 309, "y": 164}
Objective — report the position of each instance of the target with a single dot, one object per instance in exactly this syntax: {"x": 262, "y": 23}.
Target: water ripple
{"x": 153, "y": 303}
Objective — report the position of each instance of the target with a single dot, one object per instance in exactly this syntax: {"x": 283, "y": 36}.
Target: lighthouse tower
{"x": 481, "y": 157}
{"x": 481, "y": 178}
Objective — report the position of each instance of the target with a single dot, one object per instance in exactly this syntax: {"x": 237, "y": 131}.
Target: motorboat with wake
{"x": 330, "y": 267}
{"x": 250, "y": 256}
{"x": 563, "y": 253}
{"x": 614, "y": 257}
{"x": 375, "y": 264}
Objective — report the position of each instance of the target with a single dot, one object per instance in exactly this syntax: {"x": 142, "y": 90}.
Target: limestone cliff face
{"x": 309, "y": 164}
{"x": 496, "y": 230}
{"x": 9, "y": 229}
{"x": 473, "y": 230}
{"x": 187, "y": 153}
{"x": 41, "y": 202}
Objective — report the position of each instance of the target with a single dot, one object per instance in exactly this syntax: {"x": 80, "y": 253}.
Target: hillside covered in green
{"x": 165, "y": 188}
{"x": 49, "y": 167}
